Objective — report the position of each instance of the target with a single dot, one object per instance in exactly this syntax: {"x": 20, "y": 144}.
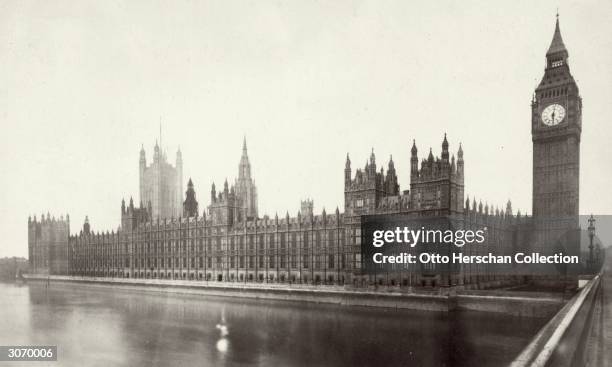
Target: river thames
{"x": 100, "y": 326}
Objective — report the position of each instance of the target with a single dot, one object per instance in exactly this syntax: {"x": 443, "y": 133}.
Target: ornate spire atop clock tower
{"x": 557, "y": 47}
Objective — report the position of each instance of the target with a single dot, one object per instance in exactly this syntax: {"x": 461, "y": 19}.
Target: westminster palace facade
{"x": 168, "y": 236}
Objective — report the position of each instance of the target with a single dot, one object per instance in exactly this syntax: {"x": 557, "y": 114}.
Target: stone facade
{"x": 47, "y": 250}
{"x": 223, "y": 244}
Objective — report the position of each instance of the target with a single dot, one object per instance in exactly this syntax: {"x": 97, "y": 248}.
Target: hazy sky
{"x": 84, "y": 83}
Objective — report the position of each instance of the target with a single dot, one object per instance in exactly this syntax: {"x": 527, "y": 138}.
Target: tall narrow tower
{"x": 246, "y": 191}
{"x": 179, "y": 180}
{"x": 141, "y": 175}
{"x": 556, "y": 124}
{"x": 160, "y": 184}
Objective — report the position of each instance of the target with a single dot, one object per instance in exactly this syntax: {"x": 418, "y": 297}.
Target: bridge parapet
{"x": 563, "y": 340}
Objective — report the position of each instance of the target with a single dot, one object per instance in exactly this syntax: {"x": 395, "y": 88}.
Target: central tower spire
{"x": 244, "y": 171}
{"x": 246, "y": 190}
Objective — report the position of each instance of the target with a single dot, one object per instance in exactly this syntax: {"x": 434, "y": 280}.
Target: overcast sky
{"x": 84, "y": 83}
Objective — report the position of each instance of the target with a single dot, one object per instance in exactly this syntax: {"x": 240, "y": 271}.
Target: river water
{"x": 102, "y": 326}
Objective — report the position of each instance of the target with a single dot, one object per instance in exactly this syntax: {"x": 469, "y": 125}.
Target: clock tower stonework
{"x": 556, "y": 124}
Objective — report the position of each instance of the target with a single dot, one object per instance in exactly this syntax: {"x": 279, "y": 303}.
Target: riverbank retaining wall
{"x": 538, "y": 305}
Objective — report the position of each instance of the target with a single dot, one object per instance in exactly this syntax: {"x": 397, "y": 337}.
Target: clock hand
{"x": 553, "y": 116}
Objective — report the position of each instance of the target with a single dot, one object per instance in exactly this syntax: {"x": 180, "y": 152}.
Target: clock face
{"x": 553, "y": 114}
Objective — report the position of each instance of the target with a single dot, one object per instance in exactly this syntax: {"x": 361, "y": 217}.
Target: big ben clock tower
{"x": 556, "y": 124}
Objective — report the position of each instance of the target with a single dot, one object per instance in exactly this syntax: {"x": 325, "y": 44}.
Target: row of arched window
{"x": 554, "y": 93}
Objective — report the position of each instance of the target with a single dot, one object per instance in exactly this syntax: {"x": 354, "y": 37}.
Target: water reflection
{"x": 223, "y": 343}
{"x": 94, "y": 325}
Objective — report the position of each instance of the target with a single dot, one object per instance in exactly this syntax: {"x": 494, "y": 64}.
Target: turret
{"x": 414, "y": 161}
{"x": 156, "y": 152}
{"x": 372, "y": 164}
{"x": 445, "y": 154}
{"x": 347, "y": 171}
{"x": 460, "y": 161}
{"x": 86, "y": 227}
{"x": 392, "y": 187}
{"x": 179, "y": 158}
{"x": 190, "y": 206}
{"x": 213, "y": 193}
{"x": 391, "y": 165}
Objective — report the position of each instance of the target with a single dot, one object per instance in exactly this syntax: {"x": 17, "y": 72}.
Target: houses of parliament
{"x": 168, "y": 235}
